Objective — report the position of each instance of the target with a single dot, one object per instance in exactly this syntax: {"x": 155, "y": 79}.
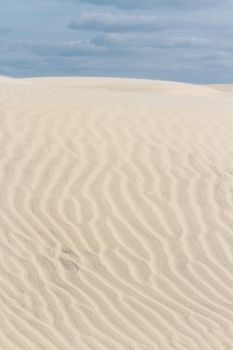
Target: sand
{"x": 116, "y": 215}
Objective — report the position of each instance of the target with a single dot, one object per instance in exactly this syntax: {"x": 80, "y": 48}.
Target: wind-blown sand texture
{"x": 116, "y": 215}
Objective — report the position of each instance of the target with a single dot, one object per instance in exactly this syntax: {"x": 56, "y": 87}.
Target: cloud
{"x": 109, "y": 22}
{"x": 4, "y": 31}
{"x": 125, "y": 22}
{"x": 148, "y": 41}
{"x": 59, "y": 49}
{"x": 209, "y": 57}
{"x": 110, "y": 44}
{"x": 162, "y": 39}
{"x": 93, "y": 57}
{"x": 149, "y": 4}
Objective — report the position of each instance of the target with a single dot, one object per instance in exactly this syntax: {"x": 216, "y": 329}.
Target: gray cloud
{"x": 108, "y": 22}
{"x": 65, "y": 49}
{"x": 4, "y": 31}
{"x": 149, "y": 4}
{"x": 156, "y": 39}
{"x": 110, "y": 44}
{"x": 124, "y": 22}
{"x": 210, "y": 57}
{"x": 149, "y": 41}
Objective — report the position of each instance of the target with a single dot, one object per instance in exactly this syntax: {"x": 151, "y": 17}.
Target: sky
{"x": 181, "y": 40}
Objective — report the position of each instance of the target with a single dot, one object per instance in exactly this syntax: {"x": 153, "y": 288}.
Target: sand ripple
{"x": 116, "y": 215}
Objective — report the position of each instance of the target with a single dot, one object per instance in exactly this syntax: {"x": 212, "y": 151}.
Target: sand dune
{"x": 116, "y": 215}
{"x": 223, "y": 87}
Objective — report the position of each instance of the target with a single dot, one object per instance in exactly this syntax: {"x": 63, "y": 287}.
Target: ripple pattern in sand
{"x": 116, "y": 215}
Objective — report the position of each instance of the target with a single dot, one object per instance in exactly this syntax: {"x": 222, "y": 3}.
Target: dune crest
{"x": 116, "y": 215}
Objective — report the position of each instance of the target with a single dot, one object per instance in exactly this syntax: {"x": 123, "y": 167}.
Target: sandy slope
{"x": 116, "y": 215}
{"x": 223, "y": 87}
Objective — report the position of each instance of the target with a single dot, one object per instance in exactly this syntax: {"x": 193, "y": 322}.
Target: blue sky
{"x": 182, "y": 40}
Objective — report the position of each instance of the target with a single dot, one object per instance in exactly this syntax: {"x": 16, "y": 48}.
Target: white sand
{"x": 116, "y": 215}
